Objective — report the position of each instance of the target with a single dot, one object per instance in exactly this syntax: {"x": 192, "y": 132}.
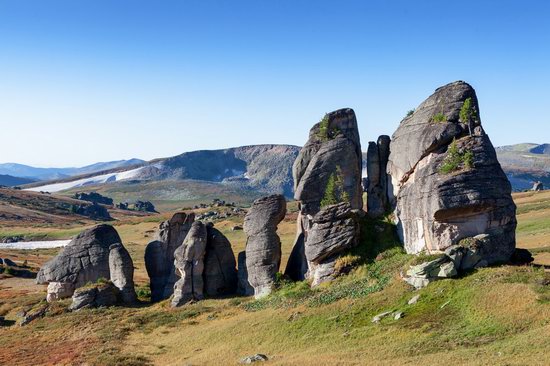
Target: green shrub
{"x": 410, "y": 112}
{"x": 323, "y": 128}
{"x": 468, "y": 159}
{"x": 456, "y": 159}
{"x": 439, "y": 117}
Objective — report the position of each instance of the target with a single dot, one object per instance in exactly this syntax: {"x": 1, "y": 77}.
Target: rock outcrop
{"x": 159, "y": 255}
{"x": 333, "y": 230}
{"x": 220, "y": 270}
{"x": 263, "y": 247}
{"x": 377, "y": 189}
{"x": 95, "y": 296}
{"x": 447, "y": 184}
{"x": 538, "y": 186}
{"x": 121, "y": 268}
{"x": 85, "y": 259}
{"x": 189, "y": 262}
{"x": 326, "y": 172}
{"x": 243, "y": 286}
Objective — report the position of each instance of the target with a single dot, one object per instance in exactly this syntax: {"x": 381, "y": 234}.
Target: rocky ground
{"x": 495, "y": 315}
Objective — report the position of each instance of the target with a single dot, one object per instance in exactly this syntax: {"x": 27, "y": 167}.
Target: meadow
{"x": 491, "y": 316}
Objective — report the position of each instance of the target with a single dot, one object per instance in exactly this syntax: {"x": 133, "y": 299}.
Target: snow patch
{"x": 29, "y": 245}
{"x": 104, "y": 178}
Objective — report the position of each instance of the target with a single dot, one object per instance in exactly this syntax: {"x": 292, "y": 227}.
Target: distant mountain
{"x": 525, "y": 164}
{"x": 256, "y": 170}
{"x": 541, "y": 149}
{"x": 10, "y": 181}
{"x": 26, "y": 171}
{"x": 97, "y": 167}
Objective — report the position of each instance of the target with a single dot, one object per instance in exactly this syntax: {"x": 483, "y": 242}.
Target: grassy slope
{"x": 170, "y": 195}
{"x": 533, "y": 230}
{"x": 493, "y": 316}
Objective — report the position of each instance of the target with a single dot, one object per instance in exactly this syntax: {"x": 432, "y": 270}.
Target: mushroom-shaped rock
{"x": 85, "y": 259}
{"x": 447, "y": 181}
{"x": 327, "y": 171}
{"x": 121, "y": 268}
{"x": 159, "y": 255}
{"x": 220, "y": 271}
{"x": 263, "y": 248}
{"x": 334, "y": 229}
{"x": 189, "y": 262}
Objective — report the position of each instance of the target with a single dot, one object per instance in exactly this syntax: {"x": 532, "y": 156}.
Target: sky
{"x": 99, "y": 80}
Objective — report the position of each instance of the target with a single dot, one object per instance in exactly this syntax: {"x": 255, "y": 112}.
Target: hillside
{"x": 235, "y": 174}
{"x": 525, "y": 164}
{"x": 493, "y": 316}
{"x": 11, "y": 181}
{"x": 26, "y": 171}
{"x": 33, "y": 215}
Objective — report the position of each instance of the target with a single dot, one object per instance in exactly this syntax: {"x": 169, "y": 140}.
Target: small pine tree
{"x": 323, "y": 128}
{"x": 329, "y": 198}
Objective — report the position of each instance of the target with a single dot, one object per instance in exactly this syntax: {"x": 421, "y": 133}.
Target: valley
{"x": 494, "y": 315}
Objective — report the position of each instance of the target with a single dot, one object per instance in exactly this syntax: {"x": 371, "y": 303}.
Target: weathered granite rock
{"x": 59, "y": 290}
{"x": 377, "y": 190}
{"x": 263, "y": 247}
{"x": 85, "y": 259}
{"x": 95, "y": 296}
{"x": 254, "y": 358}
{"x": 189, "y": 262}
{"x": 538, "y": 186}
{"x": 29, "y": 316}
{"x": 296, "y": 266}
{"x": 327, "y": 171}
{"x": 333, "y": 145}
{"x": 159, "y": 255}
{"x": 7, "y": 262}
{"x": 445, "y": 191}
{"x": 334, "y": 229}
{"x": 244, "y": 288}
{"x": 468, "y": 255}
{"x": 220, "y": 271}
{"x": 121, "y": 268}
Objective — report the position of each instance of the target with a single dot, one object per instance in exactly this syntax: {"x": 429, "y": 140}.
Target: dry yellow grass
{"x": 495, "y": 316}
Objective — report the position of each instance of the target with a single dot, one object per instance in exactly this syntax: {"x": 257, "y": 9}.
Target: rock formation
{"x": 159, "y": 255}
{"x": 263, "y": 247}
{"x": 538, "y": 186}
{"x": 220, "y": 270}
{"x": 377, "y": 189}
{"x": 121, "y": 268}
{"x": 95, "y": 296}
{"x": 189, "y": 262}
{"x": 243, "y": 286}
{"x": 334, "y": 229}
{"x": 447, "y": 184}
{"x": 326, "y": 172}
{"x": 85, "y": 259}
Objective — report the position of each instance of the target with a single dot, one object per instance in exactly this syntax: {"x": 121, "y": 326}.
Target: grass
{"x": 439, "y": 118}
{"x": 498, "y": 315}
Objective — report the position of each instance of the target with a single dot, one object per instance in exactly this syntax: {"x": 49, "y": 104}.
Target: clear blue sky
{"x": 96, "y": 80}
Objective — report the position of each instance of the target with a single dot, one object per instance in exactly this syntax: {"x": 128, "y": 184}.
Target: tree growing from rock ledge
{"x": 467, "y": 114}
{"x": 334, "y": 191}
{"x": 455, "y": 159}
